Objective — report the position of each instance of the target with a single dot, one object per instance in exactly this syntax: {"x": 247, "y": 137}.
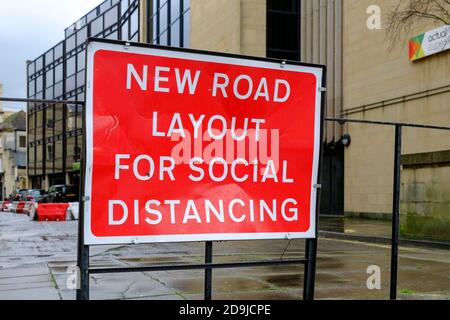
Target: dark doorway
{"x": 56, "y": 179}
{"x": 283, "y": 29}
{"x": 37, "y": 182}
{"x": 332, "y": 194}
{"x": 74, "y": 178}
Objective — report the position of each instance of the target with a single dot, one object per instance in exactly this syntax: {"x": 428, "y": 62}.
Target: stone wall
{"x": 425, "y": 196}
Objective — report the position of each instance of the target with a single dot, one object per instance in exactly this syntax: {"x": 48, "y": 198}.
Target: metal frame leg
{"x": 396, "y": 211}
{"x": 310, "y": 269}
{"x": 208, "y": 271}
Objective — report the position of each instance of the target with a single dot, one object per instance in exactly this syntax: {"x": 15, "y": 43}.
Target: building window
{"x": 283, "y": 29}
{"x": 59, "y": 74}
{"x": 169, "y": 23}
{"x": 22, "y": 141}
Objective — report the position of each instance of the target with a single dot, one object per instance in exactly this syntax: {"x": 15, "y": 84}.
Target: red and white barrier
{"x": 52, "y": 211}
{"x": 4, "y": 205}
{"x": 73, "y": 211}
{"x": 42, "y": 211}
{"x": 20, "y": 205}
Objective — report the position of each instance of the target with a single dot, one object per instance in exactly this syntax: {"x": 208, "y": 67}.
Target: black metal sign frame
{"x": 309, "y": 260}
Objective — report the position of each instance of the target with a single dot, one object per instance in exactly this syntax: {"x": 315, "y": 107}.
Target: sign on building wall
{"x": 429, "y": 43}
{"x": 186, "y": 146}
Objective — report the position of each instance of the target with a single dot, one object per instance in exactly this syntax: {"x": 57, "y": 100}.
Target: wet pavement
{"x": 34, "y": 257}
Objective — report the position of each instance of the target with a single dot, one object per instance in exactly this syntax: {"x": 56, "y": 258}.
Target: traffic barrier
{"x": 4, "y": 205}
{"x": 73, "y": 211}
{"x": 30, "y": 209}
{"x": 20, "y": 206}
{"x": 12, "y": 206}
{"x": 52, "y": 211}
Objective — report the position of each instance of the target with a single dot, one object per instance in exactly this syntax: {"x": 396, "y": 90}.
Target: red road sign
{"x": 188, "y": 146}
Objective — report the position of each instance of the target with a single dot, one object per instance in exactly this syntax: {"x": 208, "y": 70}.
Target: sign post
{"x": 186, "y": 145}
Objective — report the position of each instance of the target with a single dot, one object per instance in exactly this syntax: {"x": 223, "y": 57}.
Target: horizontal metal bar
{"x": 198, "y": 266}
{"x": 397, "y": 100}
{"x": 40, "y": 101}
{"x": 387, "y": 123}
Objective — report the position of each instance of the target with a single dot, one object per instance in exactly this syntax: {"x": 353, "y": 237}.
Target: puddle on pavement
{"x": 221, "y": 284}
{"x": 285, "y": 280}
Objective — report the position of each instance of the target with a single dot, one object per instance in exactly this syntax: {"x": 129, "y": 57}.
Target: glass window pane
{"x": 79, "y": 119}
{"x": 111, "y": 17}
{"x": 39, "y": 84}
{"x": 186, "y": 29}
{"x": 70, "y": 83}
{"x": 31, "y": 156}
{"x": 80, "y": 97}
{"x": 123, "y": 6}
{"x": 91, "y": 15}
{"x": 49, "y": 57}
{"x": 70, "y": 124}
{"x": 175, "y": 34}
{"x": 58, "y": 73}
{"x": 58, "y": 51}
{"x": 31, "y": 69}
{"x": 82, "y": 36}
{"x": 58, "y": 89}
{"x": 153, "y": 23}
{"x": 59, "y": 109}
{"x": 49, "y": 93}
{"x": 59, "y": 127}
{"x": 134, "y": 22}
{"x": 71, "y": 147}
{"x": 113, "y": 36}
{"x": 124, "y": 31}
{"x": 163, "y": 18}
{"x": 70, "y": 66}
{"x": 50, "y": 155}
{"x": 31, "y": 120}
{"x": 39, "y": 159}
{"x": 49, "y": 78}
{"x": 105, "y": 6}
{"x": 31, "y": 88}
{"x": 58, "y": 156}
{"x": 39, "y": 119}
{"x": 186, "y": 5}
{"x": 31, "y": 135}
{"x": 163, "y": 39}
{"x": 70, "y": 43}
{"x": 97, "y": 26}
{"x": 39, "y": 133}
{"x": 81, "y": 60}
{"x": 80, "y": 79}
{"x": 39, "y": 63}
{"x": 174, "y": 10}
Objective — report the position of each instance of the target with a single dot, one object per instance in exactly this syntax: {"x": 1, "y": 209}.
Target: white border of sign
{"x": 91, "y": 239}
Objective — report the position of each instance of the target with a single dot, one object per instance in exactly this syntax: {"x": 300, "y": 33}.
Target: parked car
{"x": 35, "y": 195}
{"x": 62, "y": 193}
{"x": 17, "y": 195}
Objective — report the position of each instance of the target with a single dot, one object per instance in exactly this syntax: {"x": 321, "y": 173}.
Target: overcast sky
{"x": 27, "y": 29}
